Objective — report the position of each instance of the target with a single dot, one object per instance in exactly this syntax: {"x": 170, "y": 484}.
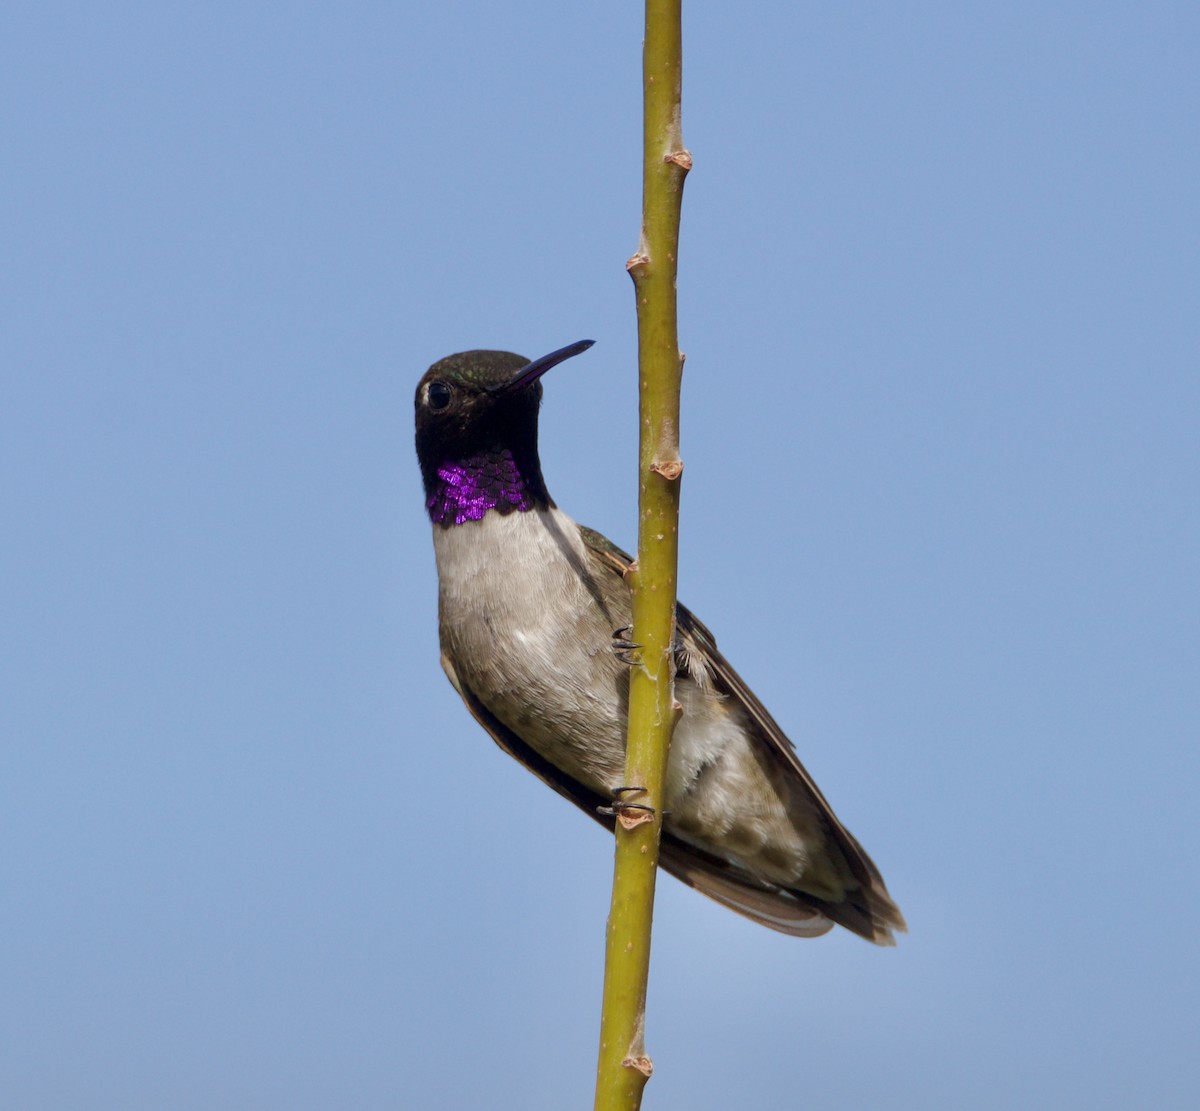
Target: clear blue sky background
{"x": 939, "y": 299}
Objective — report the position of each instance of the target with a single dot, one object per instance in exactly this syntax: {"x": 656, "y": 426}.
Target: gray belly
{"x": 531, "y": 640}
{"x": 527, "y": 637}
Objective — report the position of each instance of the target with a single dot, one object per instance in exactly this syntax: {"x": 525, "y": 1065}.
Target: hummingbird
{"x": 533, "y": 614}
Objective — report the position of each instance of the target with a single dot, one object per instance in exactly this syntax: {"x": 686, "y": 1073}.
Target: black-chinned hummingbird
{"x": 532, "y": 612}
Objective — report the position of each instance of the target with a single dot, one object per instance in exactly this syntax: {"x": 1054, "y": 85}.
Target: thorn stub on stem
{"x": 631, "y": 819}
{"x": 681, "y": 158}
{"x": 637, "y": 260}
{"x": 643, "y": 1064}
{"x": 670, "y": 470}
{"x": 630, "y": 815}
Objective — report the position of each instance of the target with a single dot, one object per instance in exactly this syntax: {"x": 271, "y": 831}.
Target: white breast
{"x": 525, "y": 635}
{"x": 529, "y": 639}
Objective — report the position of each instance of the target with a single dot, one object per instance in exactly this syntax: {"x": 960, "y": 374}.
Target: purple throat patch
{"x": 470, "y": 487}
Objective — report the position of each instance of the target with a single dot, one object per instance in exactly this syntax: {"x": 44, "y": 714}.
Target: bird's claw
{"x": 623, "y": 647}
{"x": 620, "y": 808}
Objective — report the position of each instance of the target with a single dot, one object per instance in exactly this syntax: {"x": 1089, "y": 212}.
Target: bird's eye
{"x": 438, "y": 395}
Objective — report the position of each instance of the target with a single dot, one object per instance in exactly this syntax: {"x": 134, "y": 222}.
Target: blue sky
{"x": 938, "y": 293}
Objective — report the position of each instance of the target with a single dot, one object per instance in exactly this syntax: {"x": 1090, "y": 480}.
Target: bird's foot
{"x": 624, "y": 648}
{"x": 629, "y": 814}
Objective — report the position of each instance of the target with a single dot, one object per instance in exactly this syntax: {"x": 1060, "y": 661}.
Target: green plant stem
{"x": 623, "y": 1066}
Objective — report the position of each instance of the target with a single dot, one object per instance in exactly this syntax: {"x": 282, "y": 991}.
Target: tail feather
{"x": 867, "y": 911}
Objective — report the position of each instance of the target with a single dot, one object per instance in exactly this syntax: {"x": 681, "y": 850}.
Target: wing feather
{"x": 868, "y": 910}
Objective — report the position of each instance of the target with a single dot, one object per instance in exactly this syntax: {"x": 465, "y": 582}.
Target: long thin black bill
{"x": 531, "y": 372}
